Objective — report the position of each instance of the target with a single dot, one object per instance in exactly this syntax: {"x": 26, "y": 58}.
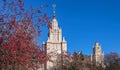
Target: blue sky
{"x": 84, "y": 22}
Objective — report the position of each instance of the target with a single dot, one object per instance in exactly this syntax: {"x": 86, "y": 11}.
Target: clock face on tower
{"x": 98, "y": 48}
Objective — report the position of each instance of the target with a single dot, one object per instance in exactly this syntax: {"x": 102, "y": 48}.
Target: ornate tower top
{"x": 54, "y": 10}
{"x": 54, "y": 20}
{"x": 96, "y": 44}
{"x": 97, "y": 48}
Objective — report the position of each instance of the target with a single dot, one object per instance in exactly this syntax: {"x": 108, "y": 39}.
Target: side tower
{"x": 55, "y": 44}
{"x": 98, "y": 56}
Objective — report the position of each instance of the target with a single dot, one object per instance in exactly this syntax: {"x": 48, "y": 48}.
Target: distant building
{"x": 98, "y": 56}
{"x": 56, "y": 44}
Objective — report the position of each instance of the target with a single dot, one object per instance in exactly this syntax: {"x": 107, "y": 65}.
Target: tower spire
{"x": 54, "y": 10}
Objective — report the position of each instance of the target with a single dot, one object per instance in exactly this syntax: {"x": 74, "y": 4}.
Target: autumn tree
{"x": 19, "y": 30}
{"x": 78, "y": 59}
{"x": 72, "y": 62}
{"x": 112, "y": 61}
{"x": 93, "y": 66}
{"x": 63, "y": 61}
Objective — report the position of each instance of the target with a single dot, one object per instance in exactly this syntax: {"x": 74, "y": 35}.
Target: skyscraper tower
{"x": 55, "y": 44}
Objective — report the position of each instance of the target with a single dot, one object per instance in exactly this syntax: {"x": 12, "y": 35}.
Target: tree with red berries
{"x": 19, "y": 30}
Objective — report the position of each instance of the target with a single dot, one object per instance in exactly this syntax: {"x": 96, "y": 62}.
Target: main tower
{"x": 56, "y": 44}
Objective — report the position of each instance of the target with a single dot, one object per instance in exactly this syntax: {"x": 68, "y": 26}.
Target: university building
{"x": 56, "y": 45}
